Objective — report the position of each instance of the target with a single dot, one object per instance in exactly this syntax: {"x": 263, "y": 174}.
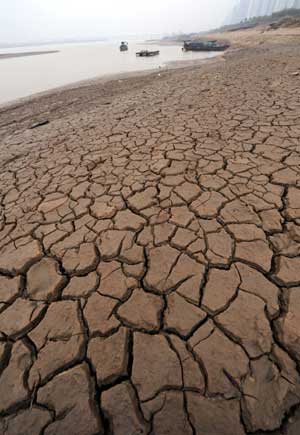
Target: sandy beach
{"x": 150, "y": 250}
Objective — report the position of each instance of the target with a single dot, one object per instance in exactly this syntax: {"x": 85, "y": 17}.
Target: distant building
{"x": 246, "y": 9}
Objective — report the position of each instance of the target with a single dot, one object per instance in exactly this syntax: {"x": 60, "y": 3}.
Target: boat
{"x": 205, "y": 46}
{"x": 147, "y": 53}
{"x": 124, "y": 46}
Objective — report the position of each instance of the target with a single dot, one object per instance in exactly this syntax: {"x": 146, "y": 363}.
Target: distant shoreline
{"x": 28, "y": 53}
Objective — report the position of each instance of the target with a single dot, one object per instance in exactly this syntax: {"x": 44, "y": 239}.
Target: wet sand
{"x": 150, "y": 252}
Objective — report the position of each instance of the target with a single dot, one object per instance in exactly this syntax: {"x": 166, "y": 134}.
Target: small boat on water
{"x": 124, "y": 46}
{"x": 147, "y": 53}
{"x": 205, "y": 46}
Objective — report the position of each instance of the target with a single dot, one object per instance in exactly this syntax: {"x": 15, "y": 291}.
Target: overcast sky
{"x": 40, "y": 20}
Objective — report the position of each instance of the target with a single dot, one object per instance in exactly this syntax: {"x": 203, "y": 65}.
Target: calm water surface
{"x": 24, "y": 76}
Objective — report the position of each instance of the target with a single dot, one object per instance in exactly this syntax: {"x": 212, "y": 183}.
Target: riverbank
{"x": 260, "y": 35}
{"x": 108, "y": 80}
{"x": 149, "y": 239}
{"x": 243, "y": 38}
{"x": 80, "y": 62}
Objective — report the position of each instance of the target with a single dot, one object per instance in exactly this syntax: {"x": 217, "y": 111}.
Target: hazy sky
{"x": 40, "y": 20}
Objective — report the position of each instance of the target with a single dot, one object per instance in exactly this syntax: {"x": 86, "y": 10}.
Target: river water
{"x": 28, "y": 75}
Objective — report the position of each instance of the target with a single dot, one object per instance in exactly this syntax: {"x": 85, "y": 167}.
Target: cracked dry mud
{"x": 150, "y": 254}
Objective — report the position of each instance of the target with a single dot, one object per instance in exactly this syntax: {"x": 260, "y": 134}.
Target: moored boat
{"x": 147, "y": 53}
{"x": 124, "y": 46}
{"x": 205, "y": 46}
